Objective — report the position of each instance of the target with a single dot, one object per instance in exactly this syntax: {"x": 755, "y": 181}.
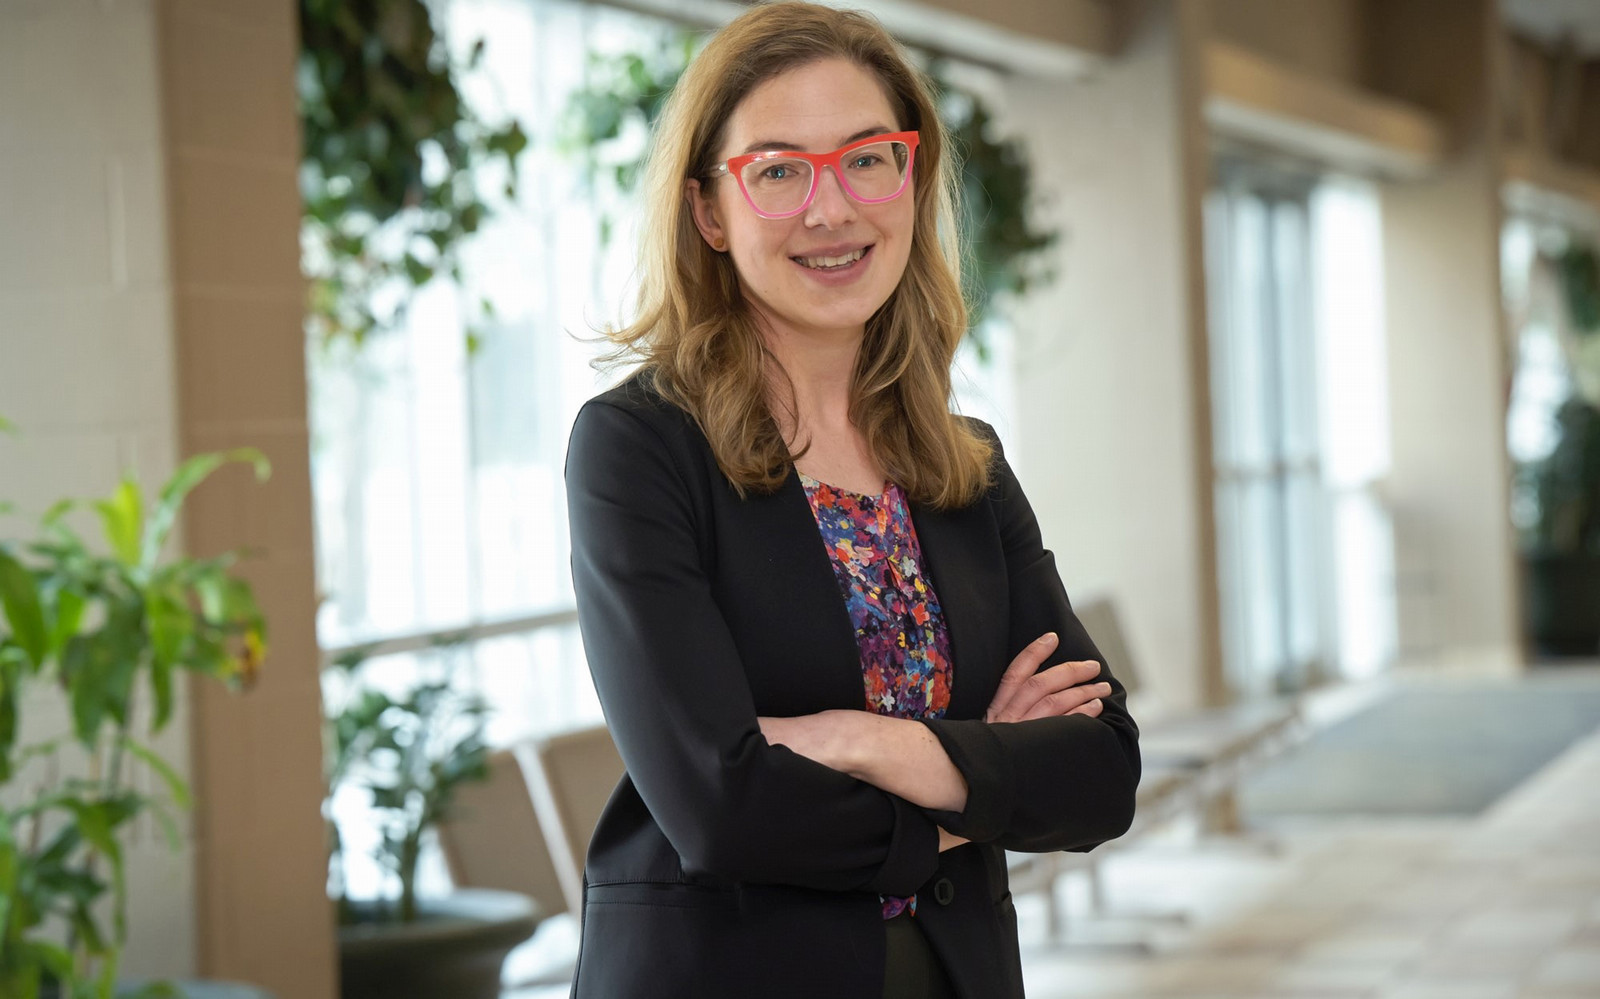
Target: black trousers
{"x": 911, "y": 969}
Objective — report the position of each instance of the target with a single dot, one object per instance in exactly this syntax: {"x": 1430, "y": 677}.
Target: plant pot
{"x": 453, "y": 951}
{"x": 1561, "y": 603}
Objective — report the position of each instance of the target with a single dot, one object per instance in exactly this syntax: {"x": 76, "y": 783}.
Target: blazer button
{"x": 944, "y": 892}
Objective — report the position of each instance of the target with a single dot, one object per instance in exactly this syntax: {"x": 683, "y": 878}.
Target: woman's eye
{"x": 778, "y": 172}
{"x": 866, "y": 160}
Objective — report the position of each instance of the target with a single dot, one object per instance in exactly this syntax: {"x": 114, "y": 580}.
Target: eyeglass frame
{"x": 734, "y": 166}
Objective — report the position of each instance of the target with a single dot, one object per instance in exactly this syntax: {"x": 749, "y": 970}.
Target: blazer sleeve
{"x": 675, "y": 696}
{"x": 1063, "y": 783}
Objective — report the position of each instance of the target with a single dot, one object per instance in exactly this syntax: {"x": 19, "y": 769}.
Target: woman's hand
{"x": 1025, "y": 692}
{"x": 829, "y": 737}
{"x": 897, "y": 755}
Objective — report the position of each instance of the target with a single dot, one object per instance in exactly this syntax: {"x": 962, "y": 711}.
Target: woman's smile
{"x": 835, "y": 266}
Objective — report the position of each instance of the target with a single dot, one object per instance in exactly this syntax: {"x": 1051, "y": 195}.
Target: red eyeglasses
{"x": 781, "y": 183}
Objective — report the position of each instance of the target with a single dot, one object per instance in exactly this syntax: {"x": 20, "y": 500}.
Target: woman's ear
{"x": 704, "y": 210}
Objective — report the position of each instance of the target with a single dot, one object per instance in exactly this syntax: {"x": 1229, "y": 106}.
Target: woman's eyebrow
{"x": 777, "y": 144}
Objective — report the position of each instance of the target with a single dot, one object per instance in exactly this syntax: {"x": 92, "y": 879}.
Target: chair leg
{"x": 1221, "y": 815}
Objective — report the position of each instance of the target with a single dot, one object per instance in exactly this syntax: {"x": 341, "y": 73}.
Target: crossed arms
{"x": 841, "y": 800}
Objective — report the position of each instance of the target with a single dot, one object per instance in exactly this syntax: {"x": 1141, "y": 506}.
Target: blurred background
{"x": 1288, "y": 314}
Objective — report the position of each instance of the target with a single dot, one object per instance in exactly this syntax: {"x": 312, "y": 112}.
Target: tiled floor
{"x": 1502, "y": 906}
{"x": 1505, "y": 905}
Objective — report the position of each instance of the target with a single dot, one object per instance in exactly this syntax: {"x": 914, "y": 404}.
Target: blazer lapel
{"x": 833, "y": 659}
{"x": 962, "y": 556}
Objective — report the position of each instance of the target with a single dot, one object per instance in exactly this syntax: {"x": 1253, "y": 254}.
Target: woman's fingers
{"x": 1051, "y": 692}
{"x": 1086, "y": 699}
{"x": 1022, "y": 668}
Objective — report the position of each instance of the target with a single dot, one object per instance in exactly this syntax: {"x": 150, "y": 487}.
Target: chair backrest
{"x": 571, "y": 777}
{"x": 493, "y": 837}
{"x": 1098, "y": 616}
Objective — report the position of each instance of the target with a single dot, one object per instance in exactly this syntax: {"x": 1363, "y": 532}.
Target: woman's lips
{"x": 836, "y": 264}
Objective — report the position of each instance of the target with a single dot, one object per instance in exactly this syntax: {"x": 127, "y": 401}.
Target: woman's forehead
{"x": 816, "y": 107}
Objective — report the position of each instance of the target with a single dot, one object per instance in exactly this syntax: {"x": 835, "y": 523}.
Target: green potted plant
{"x": 409, "y": 751}
{"x": 103, "y": 632}
{"x": 1560, "y": 541}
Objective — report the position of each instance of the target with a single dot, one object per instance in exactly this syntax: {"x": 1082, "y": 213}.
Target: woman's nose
{"x": 832, "y": 206}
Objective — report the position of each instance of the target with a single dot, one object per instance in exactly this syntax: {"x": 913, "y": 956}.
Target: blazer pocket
{"x": 666, "y": 894}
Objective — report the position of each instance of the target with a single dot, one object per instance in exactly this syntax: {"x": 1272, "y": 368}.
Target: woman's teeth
{"x": 826, "y": 263}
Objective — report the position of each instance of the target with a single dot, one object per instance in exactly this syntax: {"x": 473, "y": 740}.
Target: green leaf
{"x": 83, "y": 923}
{"x": 10, "y": 870}
{"x": 123, "y": 517}
{"x": 189, "y": 475}
{"x": 95, "y": 822}
{"x": 57, "y": 510}
{"x": 168, "y": 826}
{"x": 68, "y": 618}
{"x": 55, "y": 959}
{"x": 81, "y": 670}
{"x": 175, "y": 785}
{"x": 161, "y": 691}
{"x": 418, "y": 272}
{"x": 19, "y": 595}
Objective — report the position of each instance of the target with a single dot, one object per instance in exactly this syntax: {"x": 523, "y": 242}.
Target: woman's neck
{"x": 819, "y": 371}
{"x": 815, "y": 377}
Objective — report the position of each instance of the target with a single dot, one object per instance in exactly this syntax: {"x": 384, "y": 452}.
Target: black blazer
{"x": 726, "y": 867}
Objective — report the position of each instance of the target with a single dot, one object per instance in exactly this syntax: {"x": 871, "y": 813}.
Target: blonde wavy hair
{"x": 697, "y": 340}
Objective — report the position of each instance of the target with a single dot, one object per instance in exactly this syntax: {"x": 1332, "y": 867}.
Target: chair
{"x": 527, "y": 827}
{"x": 493, "y": 838}
{"x": 1218, "y": 744}
{"x": 1191, "y": 762}
{"x": 571, "y": 777}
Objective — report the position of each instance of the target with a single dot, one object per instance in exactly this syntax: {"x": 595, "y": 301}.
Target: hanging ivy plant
{"x": 1579, "y": 267}
{"x": 391, "y": 162}
{"x": 625, "y": 94}
{"x": 1562, "y": 489}
{"x": 997, "y": 199}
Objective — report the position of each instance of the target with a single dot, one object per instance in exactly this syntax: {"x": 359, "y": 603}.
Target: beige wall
{"x": 1447, "y": 368}
{"x": 86, "y": 350}
{"x": 1105, "y": 398}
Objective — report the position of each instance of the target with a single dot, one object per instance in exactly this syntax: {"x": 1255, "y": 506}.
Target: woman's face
{"x": 815, "y": 108}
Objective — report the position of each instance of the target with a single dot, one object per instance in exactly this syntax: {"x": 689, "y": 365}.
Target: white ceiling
{"x": 1549, "y": 20}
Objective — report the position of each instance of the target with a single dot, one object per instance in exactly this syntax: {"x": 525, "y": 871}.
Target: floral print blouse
{"x": 900, "y": 630}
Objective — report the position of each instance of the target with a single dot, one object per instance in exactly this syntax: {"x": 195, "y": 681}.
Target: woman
{"x": 776, "y": 522}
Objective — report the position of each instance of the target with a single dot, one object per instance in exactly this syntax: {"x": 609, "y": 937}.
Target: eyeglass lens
{"x": 870, "y": 173}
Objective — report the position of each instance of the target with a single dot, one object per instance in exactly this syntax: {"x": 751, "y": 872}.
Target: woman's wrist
{"x": 902, "y": 756}
{"x": 949, "y": 840}
{"x": 898, "y": 755}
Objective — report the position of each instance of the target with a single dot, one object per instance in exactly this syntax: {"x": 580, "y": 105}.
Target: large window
{"x": 438, "y": 475}
{"x": 1300, "y": 439}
